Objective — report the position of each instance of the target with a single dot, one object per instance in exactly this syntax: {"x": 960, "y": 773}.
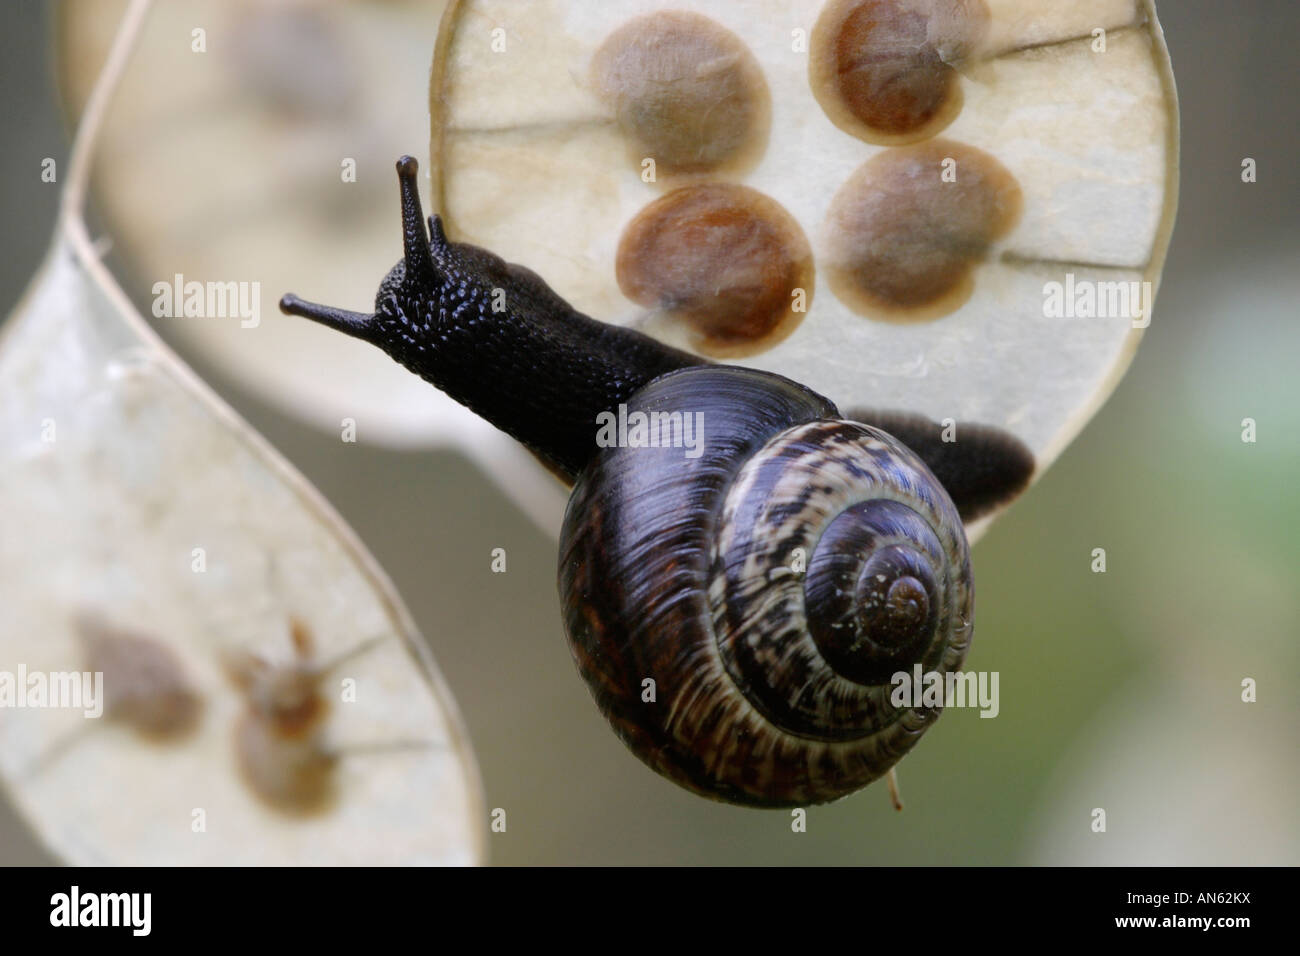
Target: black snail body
{"x": 739, "y": 594}
{"x": 496, "y": 338}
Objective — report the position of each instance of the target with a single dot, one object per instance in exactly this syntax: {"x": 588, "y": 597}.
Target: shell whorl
{"x": 769, "y": 588}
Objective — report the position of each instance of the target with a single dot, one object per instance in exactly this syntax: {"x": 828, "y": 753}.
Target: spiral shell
{"x": 739, "y": 615}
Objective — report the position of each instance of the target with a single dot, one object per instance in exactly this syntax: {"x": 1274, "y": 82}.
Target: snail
{"x": 739, "y": 596}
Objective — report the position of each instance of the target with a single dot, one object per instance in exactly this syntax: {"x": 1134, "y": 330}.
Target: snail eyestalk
{"x": 417, "y": 257}
{"x": 352, "y": 323}
{"x": 418, "y": 270}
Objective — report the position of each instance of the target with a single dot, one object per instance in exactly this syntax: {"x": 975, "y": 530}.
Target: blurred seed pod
{"x": 201, "y": 662}
{"x": 268, "y": 157}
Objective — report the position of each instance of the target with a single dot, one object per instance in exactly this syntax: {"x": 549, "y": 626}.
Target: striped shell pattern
{"x": 739, "y": 616}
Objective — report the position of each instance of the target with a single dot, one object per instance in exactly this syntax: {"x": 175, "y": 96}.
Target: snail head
{"x": 409, "y": 288}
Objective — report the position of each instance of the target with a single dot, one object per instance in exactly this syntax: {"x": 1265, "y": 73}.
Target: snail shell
{"x": 769, "y": 588}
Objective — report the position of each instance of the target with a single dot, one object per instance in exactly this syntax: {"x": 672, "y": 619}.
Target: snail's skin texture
{"x": 982, "y": 469}
{"x": 537, "y": 368}
{"x": 739, "y": 611}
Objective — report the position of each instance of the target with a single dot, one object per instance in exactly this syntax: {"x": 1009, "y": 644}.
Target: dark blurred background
{"x": 1118, "y": 690}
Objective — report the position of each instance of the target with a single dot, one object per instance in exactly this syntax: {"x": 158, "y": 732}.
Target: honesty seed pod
{"x": 924, "y": 182}
{"x": 155, "y": 709}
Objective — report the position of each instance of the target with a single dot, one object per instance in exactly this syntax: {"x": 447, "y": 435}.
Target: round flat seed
{"x": 725, "y": 261}
{"x": 903, "y": 233}
{"x": 145, "y": 684}
{"x": 687, "y": 92}
{"x": 883, "y": 69}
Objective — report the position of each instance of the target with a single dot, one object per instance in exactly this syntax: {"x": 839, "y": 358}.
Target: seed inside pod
{"x": 687, "y": 92}
{"x": 726, "y": 262}
{"x": 882, "y": 69}
{"x": 145, "y": 684}
{"x": 280, "y": 740}
{"x": 905, "y": 230}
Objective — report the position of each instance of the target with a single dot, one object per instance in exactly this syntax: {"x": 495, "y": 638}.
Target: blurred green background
{"x": 1118, "y": 690}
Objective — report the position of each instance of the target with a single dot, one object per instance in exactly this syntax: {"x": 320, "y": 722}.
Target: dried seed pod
{"x": 950, "y": 161}
{"x": 128, "y": 487}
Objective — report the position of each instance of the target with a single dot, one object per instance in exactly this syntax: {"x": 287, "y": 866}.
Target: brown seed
{"x": 687, "y": 92}
{"x": 145, "y": 684}
{"x": 901, "y": 242}
{"x": 882, "y": 69}
{"x": 280, "y": 739}
{"x": 726, "y": 261}
{"x": 293, "y": 775}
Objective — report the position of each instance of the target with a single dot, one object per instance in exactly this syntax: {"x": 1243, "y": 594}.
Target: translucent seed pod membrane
{"x": 887, "y": 200}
